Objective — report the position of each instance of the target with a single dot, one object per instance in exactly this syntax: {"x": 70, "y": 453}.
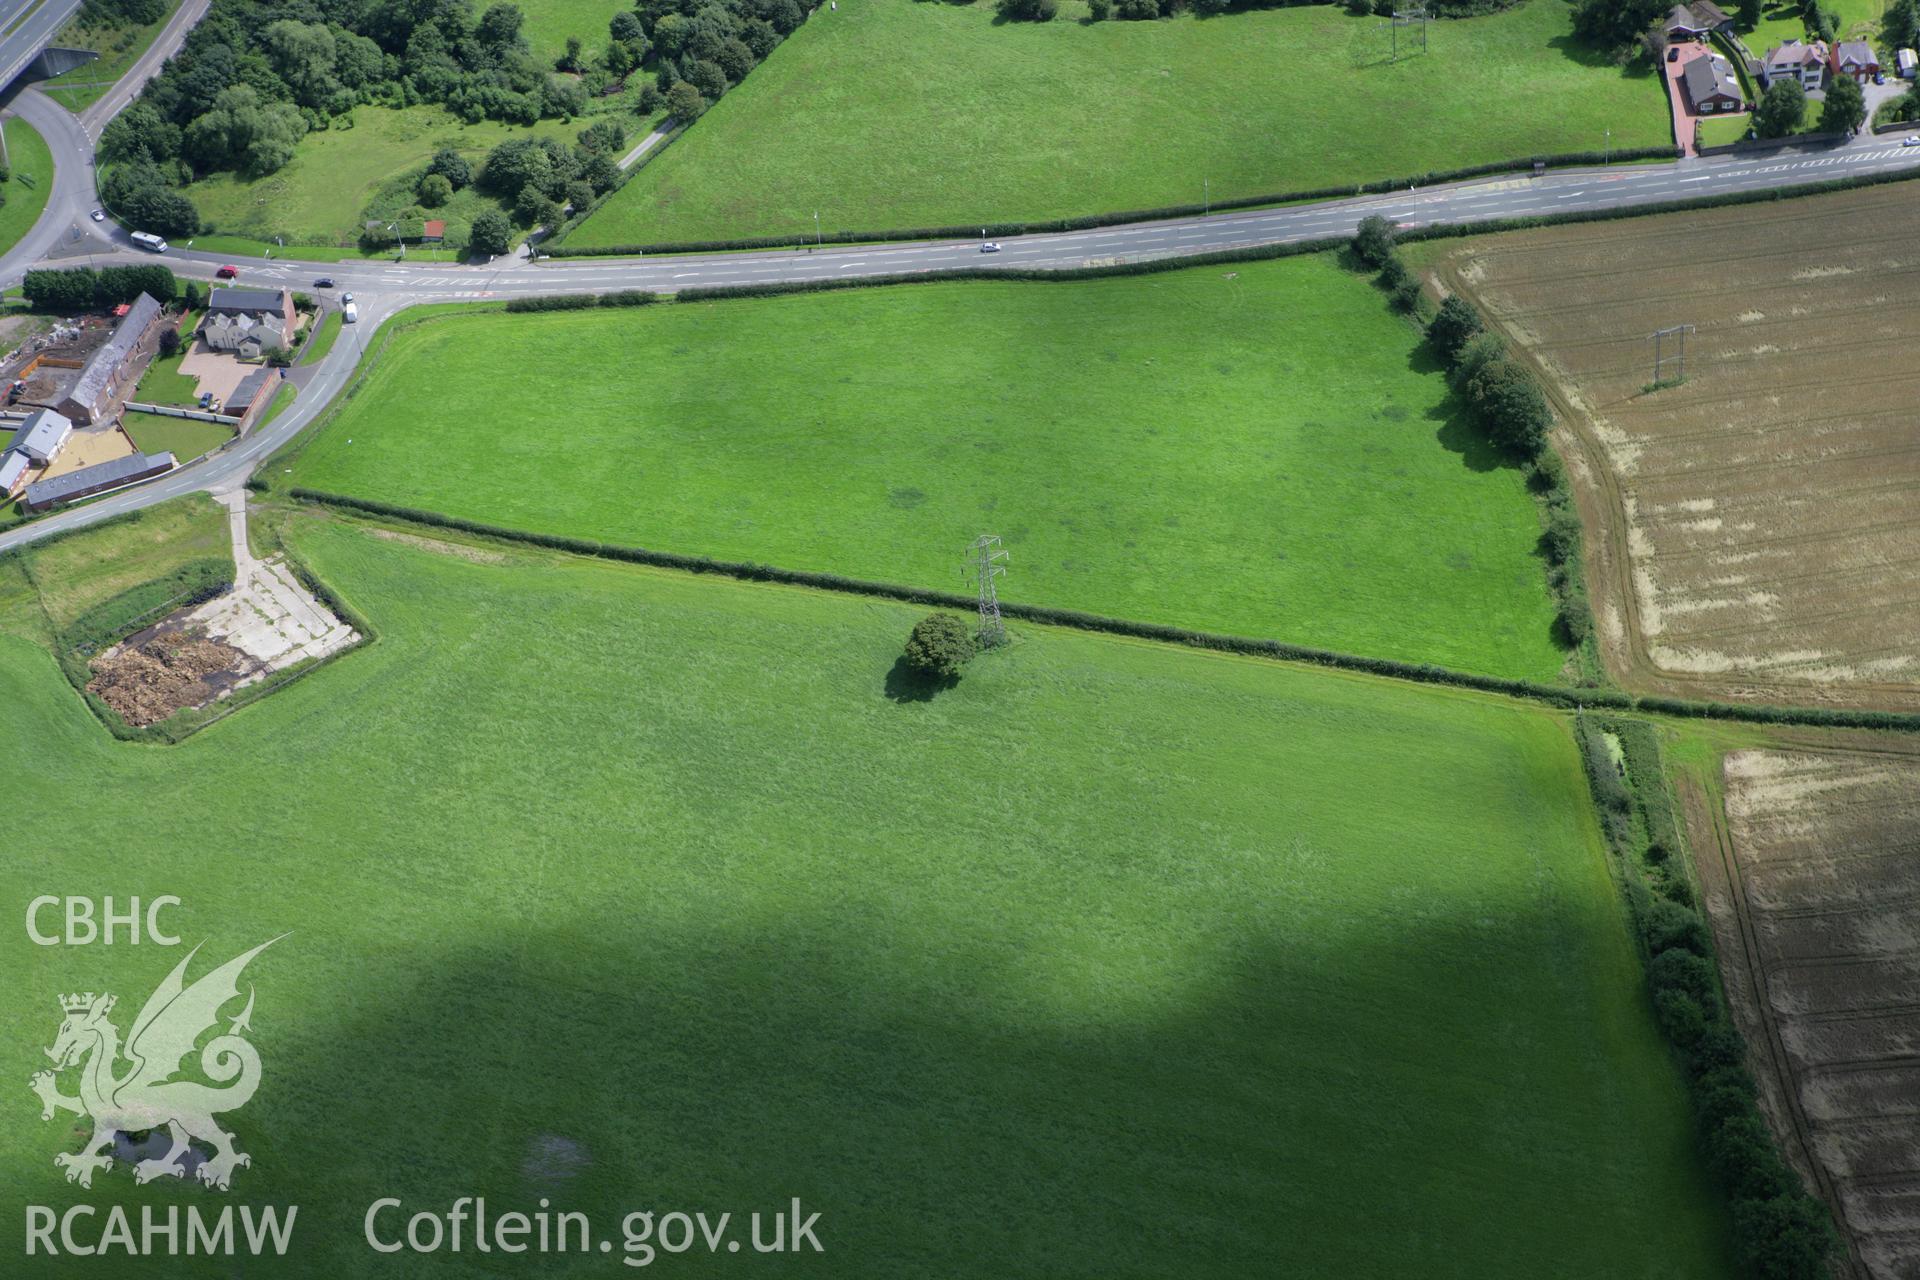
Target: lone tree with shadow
{"x": 939, "y": 647}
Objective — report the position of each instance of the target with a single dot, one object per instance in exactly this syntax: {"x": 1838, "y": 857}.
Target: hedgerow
{"x": 1426, "y": 673}
{"x": 582, "y": 301}
{"x": 1781, "y": 1231}
{"x": 1086, "y": 222}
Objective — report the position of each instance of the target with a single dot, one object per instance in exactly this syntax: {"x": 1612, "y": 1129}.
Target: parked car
{"x": 227, "y": 272}
{"x": 1879, "y": 77}
{"x": 1673, "y": 54}
{"x": 991, "y": 246}
{"x": 206, "y": 399}
{"x": 99, "y": 215}
{"x": 324, "y": 282}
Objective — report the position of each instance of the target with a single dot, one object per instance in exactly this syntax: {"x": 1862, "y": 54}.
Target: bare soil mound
{"x": 149, "y": 678}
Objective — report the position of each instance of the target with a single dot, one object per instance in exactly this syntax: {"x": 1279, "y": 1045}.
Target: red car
{"x": 228, "y": 272}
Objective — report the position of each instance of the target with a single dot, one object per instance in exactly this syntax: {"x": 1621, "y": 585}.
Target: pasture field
{"x": 1811, "y": 883}
{"x": 894, "y": 114}
{"x": 320, "y": 195}
{"x": 1289, "y": 467}
{"x": 1752, "y": 530}
{"x": 638, "y": 889}
{"x": 32, "y": 181}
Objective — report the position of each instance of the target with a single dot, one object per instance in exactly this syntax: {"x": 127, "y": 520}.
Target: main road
{"x": 66, "y": 235}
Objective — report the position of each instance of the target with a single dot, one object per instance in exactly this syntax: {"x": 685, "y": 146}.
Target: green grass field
{"x": 550, "y": 22}
{"x": 32, "y": 180}
{"x": 1261, "y": 450}
{"x": 637, "y": 890}
{"x": 119, "y": 46}
{"x": 319, "y": 197}
{"x": 890, "y": 113}
{"x": 184, "y": 438}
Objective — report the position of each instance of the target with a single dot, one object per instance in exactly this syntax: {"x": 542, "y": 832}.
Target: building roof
{"x": 12, "y": 466}
{"x": 1792, "y": 53}
{"x": 1707, "y": 77}
{"x": 243, "y": 395}
{"x": 1858, "y": 52}
{"x": 1709, "y": 12}
{"x": 98, "y": 374}
{"x": 102, "y": 475}
{"x": 1683, "y": 19}
{"x": 247, "y": 300}
{"x": 41, "y": 435}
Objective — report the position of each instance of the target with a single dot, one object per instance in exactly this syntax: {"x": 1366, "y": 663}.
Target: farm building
{"x": 1697, "y": 21}
{"x": 1855, "y": 58}
{"x": 88, "y": 481}
{"x": 1712, "y": 87}
{"x": 41, "y": 437}
{"x": 13, "y": 472}
{"x": 1794, "y": 60}
{"x": 111, "y": 371}
{"x": 433, "y": 231}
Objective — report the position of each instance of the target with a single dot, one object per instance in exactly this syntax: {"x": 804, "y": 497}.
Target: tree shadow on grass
{"x": 907, "y": 683}
{"x": 1577, "y": 50}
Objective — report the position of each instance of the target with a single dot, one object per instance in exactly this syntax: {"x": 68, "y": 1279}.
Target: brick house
{"x": 1855, "y": 59}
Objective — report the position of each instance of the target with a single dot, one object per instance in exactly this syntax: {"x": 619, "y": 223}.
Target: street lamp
{"x": 817, "y": 239}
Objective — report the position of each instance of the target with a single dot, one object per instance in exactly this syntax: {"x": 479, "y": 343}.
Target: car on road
{"x": 990, "y": 246}
{"x": 346, "y": 297}
{"x": 349, "y": 314}
{"x": 99, "y": 215}
{"x": 1911, "y": 140}
{"x": 227, "y": 272}
{"x": 324, "y": 282}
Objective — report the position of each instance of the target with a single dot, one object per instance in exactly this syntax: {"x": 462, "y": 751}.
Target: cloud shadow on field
{"x": 951, "y": 1107}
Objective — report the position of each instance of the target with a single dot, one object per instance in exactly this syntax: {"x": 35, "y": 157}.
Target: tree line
{"x": 71, "y": 290}
{"x": 253, "y": 78}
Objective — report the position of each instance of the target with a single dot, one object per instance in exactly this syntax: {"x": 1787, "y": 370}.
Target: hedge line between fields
{"x": 1425, "y": 673}
{"x": 1780, "y": 1230}
{"x": 1088, "y": 222}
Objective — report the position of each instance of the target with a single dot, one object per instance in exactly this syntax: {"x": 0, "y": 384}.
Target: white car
{"x": 99, "y": 215}
{"x": 990, "y": 246}
{"x": 1911, "y": 140}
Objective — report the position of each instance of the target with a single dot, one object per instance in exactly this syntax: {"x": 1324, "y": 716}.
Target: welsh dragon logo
{"x": 145, "y": 1095}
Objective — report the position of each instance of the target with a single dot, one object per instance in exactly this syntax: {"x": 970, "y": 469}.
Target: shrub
{"x": 1683, "y": 971}
{"x": 939, "y": 646}
{"x": 1681, "y": 1018}
{"x": 492, "y": 234}
{"x": 1373, "y": 241}
{"x": 1786, "y": 1237}
{"x": 434, "y": 190}
{"x": 1451, "y": 326}
{"x": 684, "y": 102}
{"x": 1668, "y": 926}
{"x": 169, "y": 341}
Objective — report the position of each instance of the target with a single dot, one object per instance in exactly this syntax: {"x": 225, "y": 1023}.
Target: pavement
{"x": 65, "y": 234}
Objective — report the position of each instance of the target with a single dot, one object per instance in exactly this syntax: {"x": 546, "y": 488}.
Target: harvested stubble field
{"x": 1756, "y": 534}
{"x": 1815, "y": 897}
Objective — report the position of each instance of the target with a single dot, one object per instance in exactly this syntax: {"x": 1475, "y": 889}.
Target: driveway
{"x": 1683, "y": 117}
